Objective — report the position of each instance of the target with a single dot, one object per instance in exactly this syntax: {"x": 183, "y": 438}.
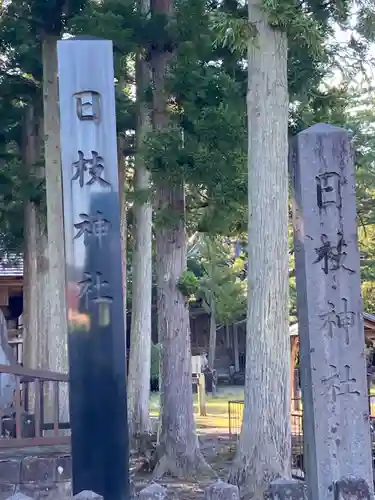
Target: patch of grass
{"x": 217, "y": 405}
{"x": 217, "y": 409}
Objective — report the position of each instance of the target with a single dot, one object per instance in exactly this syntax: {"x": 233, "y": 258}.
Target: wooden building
{"x": 369, "y": 324}
{"x": 11, "y": 300}
{"x": 230, "y": 344}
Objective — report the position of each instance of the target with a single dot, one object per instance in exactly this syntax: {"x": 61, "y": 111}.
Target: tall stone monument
{"x": 333, "y": 366}
{"x": 96, "y": 338}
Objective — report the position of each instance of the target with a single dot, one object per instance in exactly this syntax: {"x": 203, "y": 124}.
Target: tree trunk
{"x": 264, "y": 447}
{"x": 123, "y": 229}
{"x": 140, "y": 342}
{"x": 36, "y": 294}
{"x": 235, "y": 349}
{"x": 212, "y": 342}
{"x": 36, "y": 300}
{"x": 57, "y": 331}
{"x": 178, "y": 446}
{"x": 227, "y": 336}
{"x": 178, "y": 449}
{"x": 36, "y": 308}
{"x": 31, "y": 330}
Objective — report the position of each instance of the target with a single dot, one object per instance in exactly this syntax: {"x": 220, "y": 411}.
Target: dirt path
{"x": 218, "y": 451}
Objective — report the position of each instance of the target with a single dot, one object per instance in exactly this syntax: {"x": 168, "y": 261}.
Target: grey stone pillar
{"x": 329, "y": 304}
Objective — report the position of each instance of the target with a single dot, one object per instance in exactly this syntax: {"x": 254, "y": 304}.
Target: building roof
{"x": 11, "y": 266}
{"x": 369, "y": 318}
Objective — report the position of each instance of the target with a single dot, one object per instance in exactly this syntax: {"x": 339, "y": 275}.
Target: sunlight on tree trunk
{"x": 264, "y": 448}
{"x": 57, "y": 331}
{"x": 140, "y": 345}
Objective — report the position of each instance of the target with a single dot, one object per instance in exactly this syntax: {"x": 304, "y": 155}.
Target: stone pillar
{"x": 153, "y": 492}
{"x": 288, "y": 489}
{"x": 221, "y": 491}
{"x": 96, "y": 334}
{"x": 330, "y": 316}
{"x": 87, "y": 495}
{"x": 202, "y": 395}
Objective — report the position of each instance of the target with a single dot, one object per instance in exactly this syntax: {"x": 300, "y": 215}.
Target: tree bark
{"x": 264, "y": 447}
{"x": 178, "y": 445}
{"x": 123, "y": 230}
{"x": 178, "y": 448}
{"x": 36, "y": 300}
{"x": 57, "y": 331}
{"x": 212, "y": 342}
{"x": 140, "y": 342}
{"x": 36, "y": 310}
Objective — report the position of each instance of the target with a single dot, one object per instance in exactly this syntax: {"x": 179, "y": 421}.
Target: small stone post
{"x": 221, "y": 491}
{"x": 153, "y": 492}
{"x": 333, "y": 370}
{"x": 202, "y": 395}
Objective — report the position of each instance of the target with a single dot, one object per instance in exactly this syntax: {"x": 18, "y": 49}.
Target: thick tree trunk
{"x": 57, "y": 331}
{"x": 212, "y": 342}
{"x": 264, "y": 447}
{"x": 178, "y": 448}
{"x": 36, "y": 300}
{"x": 31, "y": 330}
{"x": 123, "y": 230}
{"x": 178, "y": 445}
{"x": 36, "y": 294}
{"x": 140, "y": 342}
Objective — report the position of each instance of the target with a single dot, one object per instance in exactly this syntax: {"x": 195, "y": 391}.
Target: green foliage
{"x": 368, "y": 293}
{"x": 188, "y": 284}
{"x": 219, "y": 278}
{"x": 24, "y": 25}
{"x": 206, "y": 143}
{"x": 354, "y": 109}
{"x": 232, "y": 32}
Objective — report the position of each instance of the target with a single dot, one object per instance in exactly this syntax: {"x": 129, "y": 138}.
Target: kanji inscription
{"x": 329, "y": 319}
{"x": 87, "y": 105}
{"x": 339, "y": 383}
{"x": 93, "y": 166}
{"x": 332, "y": 256}
{"x": 344, "y": 319}
{"x": 347, "y": 383}
{"x": 94, "y": 287}
{"x": 328, "y": 190}
{"x": 96, "y": 226}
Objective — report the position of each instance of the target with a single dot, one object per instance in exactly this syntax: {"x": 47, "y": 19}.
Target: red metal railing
{"x": 33, "y": 417}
